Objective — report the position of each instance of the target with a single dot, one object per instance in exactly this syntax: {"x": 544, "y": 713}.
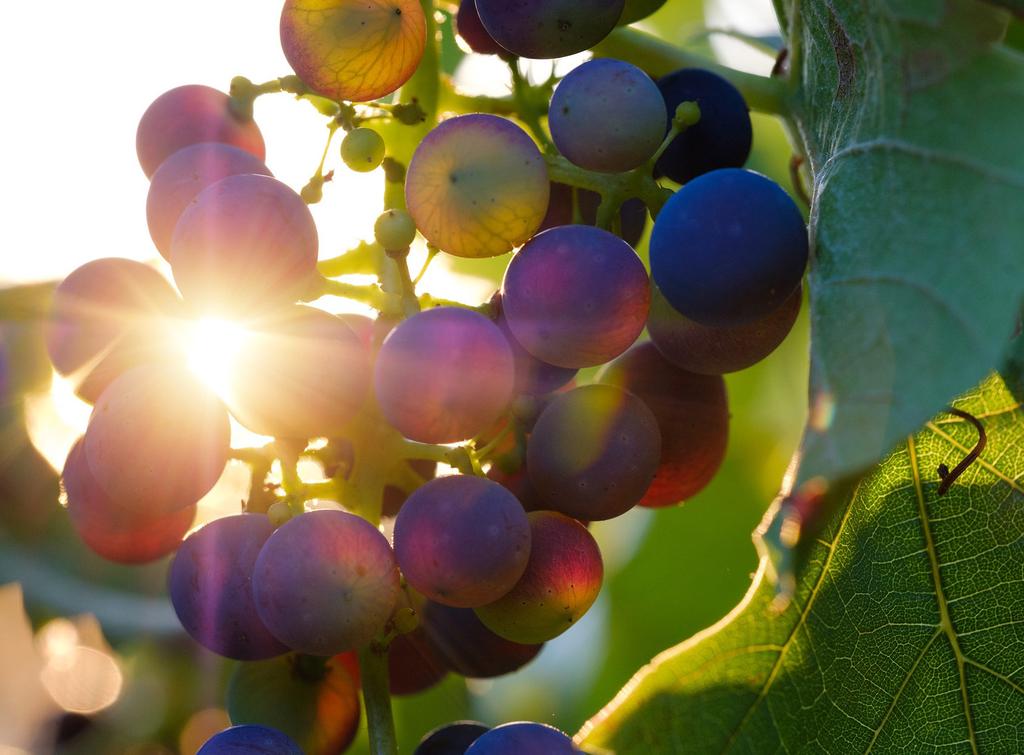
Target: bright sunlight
{"x": 210, "y": 346}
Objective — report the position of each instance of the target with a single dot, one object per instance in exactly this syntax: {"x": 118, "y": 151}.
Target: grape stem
{"x": 658, "y": 58}
{"x": 370, "y": 295}
{"x": 380, "y": 722}
{"x": 363, "y": 259}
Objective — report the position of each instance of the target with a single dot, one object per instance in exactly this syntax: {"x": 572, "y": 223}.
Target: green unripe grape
{"x": 362, "y": 149}
{"x": 394, "y": 230}
{"x": 279, "y": 513}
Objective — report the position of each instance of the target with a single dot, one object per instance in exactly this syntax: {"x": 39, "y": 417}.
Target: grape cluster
{"x": 482, "y": 567}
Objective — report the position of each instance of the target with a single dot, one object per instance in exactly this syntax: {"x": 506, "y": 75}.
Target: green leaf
{"x": 904, "y": 634}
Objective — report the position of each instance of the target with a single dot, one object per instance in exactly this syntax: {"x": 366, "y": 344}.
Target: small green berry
{"x": 395, "y": 230}
{"x": 363, "y": 150}
{"x": 279, "y": 513}
{"x": 687, "y": 114}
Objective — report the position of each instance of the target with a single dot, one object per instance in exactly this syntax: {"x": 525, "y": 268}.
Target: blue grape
{"x": 728, "y": 248}
{"x": 246, "y": 243}
{"x": 576, "y": 296}
{"x": 210, "y": 585}
{"x": 693, "y": 419}
{"x": 632, "y": 214}
{"x": 182, "y": 176}
{"x": 189, "y": 115}
{"x": 720, "y": 139}
{"x": 158, "y": 439}
{"x": 462, "y": 541}
{"x": 713, "y": 350}
{"x": 250, "y": 739}
{"x": 450, "y": 739}
{"x": 444, "y": 375}
{"x": 326, "y": 582}
{"x": 607, "y": 115}
{"x": 469, "y": 648}
{"x": 549, "y": 28}
{"x": 125, "y": 534}
{"x": 594, "y": 452}
{"x": 520, "y": 738}
{"x": 273, "y": 389}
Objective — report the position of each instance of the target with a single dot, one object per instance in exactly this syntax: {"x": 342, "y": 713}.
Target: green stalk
{"x": 373, "y": 668}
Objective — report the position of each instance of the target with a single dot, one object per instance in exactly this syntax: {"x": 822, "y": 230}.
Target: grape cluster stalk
{"x": 484, "y": 565}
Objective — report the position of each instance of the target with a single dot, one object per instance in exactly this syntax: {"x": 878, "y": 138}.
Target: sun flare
{"x": 211, "y": 346}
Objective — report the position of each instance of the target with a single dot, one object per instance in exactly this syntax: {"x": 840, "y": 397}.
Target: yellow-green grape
{"x": 279, "y": 513}
{"x": 363, "y": 150}
{"x": 477, "y": 186}
{"x": 355, "y": 50}
{"x": 394, "y": 230}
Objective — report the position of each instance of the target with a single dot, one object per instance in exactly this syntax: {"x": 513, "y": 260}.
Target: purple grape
{"x": 576, "y": 296}
{"x": 549, "y": 28}
{"x": 693, "y": 419}
{"x": 125, "y": 534}
{"x": 607, "y": 115}
{"x": 472, "y": 31}
{"x": 210, "y": 585}
{"x": 532, "y": 375}
{"x": 713, "y": 350}
{"x": 275, "y": 391}
{"x": 594, "y": 452}
{"x": 413, "y": 664}
{"x": 468, "y": 647}
{"x": 632, "y": 214}
{"x": 522, "y": 737}
{"x": 728, "y": 248}
{"x": 250, "y": 739}
{"x": 182, "y": 176}
{"x": 108, "y": 316}
{"x": 450, "y": 739}
{"x": 246, "y": 243}
{"x": 158, "y": 439}
{"x": 444, "y": 375}
{"x": 326, "y": 582}
{"x": 462, "y": 541}
{"x": 720, "y": 139}
{"x": 188, "y": 115}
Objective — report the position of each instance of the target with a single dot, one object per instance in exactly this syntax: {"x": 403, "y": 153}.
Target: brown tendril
{"x": 948, "y": 476}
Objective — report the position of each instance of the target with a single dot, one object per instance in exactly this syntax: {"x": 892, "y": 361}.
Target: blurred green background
{"x": 670, "y": 573}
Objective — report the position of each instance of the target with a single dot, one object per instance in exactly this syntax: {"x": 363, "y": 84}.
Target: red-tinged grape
{"x": 355, "y": 50}
{"x": 711, "y": 350}
{"x": 720, "y": 139}
{"x": 326, "y": 582}
{"x": 189, "y": 115}
{"x": 518, "y": 483}
{"x": 364, "y": 328}
{"x": 413, "y": 664}
{"x": 125, "y": 534}
{"x": 246, "y": 243}
{"x": 522, "y": 737}
{"x": 576, "y": 296}
{"x": 315, "y": 701}
{"x": 607, "y": 115}
{"x": 462, "y": 541}
{"x": 594, "y": 452}
{"x": 728, "y": 248}
{"x": 450, "y": 739}
{"x": 561, "y": 582}
{"x": 549, "y": 28}
{"x": 302, "y": 373}
{"x": 110, "y": 315}
{"x": 477, "y": 186}
{"x": 632, "y": 214}
{"x": 532, "y": 375}
{"x": 473, "y": 33}
{"x": 158, "y": 439}
{"x": 250, "y": 739}
{"x": 444, "y": 375}
{"x": 693, "y": 418}
{"x": 183, "y": 175}
{"x": 210, "y": 585}
{"x": 468, "y": 647}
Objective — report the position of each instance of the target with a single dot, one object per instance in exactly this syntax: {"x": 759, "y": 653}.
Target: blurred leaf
{"x": 903, "y": 632}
